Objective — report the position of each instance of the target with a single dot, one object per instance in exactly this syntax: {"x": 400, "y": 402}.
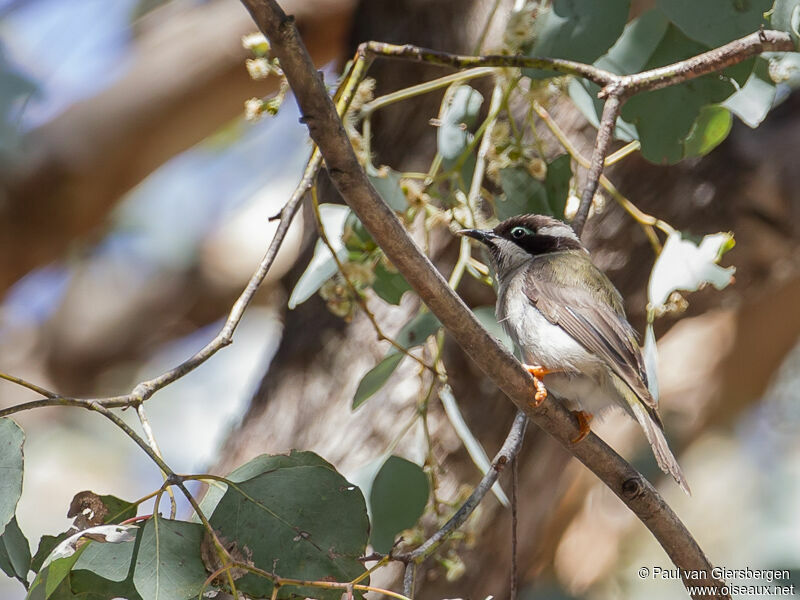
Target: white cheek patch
{"x": 559, "y": 230}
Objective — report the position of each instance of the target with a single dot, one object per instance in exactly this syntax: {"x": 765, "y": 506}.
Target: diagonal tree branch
{"x": 327, "y": 131}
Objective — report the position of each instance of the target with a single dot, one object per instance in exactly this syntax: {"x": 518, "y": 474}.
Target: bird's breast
{"x": 539, "y": 341}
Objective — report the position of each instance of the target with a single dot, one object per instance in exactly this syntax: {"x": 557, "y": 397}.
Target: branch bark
{"x": 326, "y": 129}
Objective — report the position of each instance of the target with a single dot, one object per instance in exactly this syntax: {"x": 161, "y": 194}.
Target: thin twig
{"x": 514, "y": 585}
{"x": 605, "y": 133}
{"x": 447, "y": 59}
{"x": 151, "y": 440}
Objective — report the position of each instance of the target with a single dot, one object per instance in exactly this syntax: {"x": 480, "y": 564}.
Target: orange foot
{"x": 584, "y": 419}
{"x": 538, "y": 373}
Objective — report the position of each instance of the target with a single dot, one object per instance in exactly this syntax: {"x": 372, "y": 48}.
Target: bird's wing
{"x": 565, "y": 298}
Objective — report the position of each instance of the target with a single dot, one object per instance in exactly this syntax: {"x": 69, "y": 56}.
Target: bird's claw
{"x": 584, "y": 419}
{"x": 541, "y": 391}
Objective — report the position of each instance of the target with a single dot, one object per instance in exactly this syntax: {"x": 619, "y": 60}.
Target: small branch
{"x": 605, "y": 133}
{"x": 446, "y": 59}
{"x": 151, "y": 440}
{"x": 712, "y": 61}
{"x": 514, "y": 584}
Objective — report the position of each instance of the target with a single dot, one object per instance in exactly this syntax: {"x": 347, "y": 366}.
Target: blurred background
{"x": 134, "y": 205}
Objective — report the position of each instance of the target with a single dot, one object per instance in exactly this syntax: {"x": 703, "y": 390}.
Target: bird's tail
{"x": 655, "y": 435}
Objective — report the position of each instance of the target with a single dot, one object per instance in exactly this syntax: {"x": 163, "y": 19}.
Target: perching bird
{"x": 568, "y": 322}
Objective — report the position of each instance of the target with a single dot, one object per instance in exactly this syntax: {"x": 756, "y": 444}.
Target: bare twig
{"x": 151, "y": 440}
{"x": 605, "y": 133}
{"x": 514, "y": 584}
{"x": 506, "y": 372}
{"x": 445, "y": 59}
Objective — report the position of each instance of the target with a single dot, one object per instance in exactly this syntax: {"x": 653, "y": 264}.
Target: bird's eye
{"x": 520, "y": 232}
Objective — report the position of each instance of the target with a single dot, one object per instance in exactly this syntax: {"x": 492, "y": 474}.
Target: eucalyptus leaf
{"x": 397, "y": 500}
{"x": 636, "y": 45}
{"x": 387, "y": 183}
{"x": 684, "y": 265}
{"x": 580, "y": 30}
{"x": 322, "y": 266}
{"x": 786, "y": 17}
{"x": 375, "y": 378}
{"x": 15, "y": 553}
{"x": 665, "y": 117}
{"x": 302, "y": 521}
{"x": 389, "y": 285}
{"x": 413, "y": 333}
{"x": 85, "y": 585}
{"x": 584, "y": 96}
{"x": 716, "y": 22}
{"x": 260, "y": 464}
{"x": 417, "y": 330}
{"x": 453, "y": 136}
{"x": 753, "y": 101}
{"x": 11, "y": 465}
{"x": 109, "y": 561}
{"x": 168, "y": 563}
{"x": 709, "y": 130}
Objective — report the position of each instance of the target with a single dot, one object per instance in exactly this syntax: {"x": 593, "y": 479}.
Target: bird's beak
{"x": 484, "y": 236}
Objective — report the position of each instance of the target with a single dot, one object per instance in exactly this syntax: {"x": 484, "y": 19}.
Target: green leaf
{"x": 753, "y": 101}
{"x": 413, "y": 333}
{"x": 665, "y": 117}
{"x": 636, "y": 45}
{"x": 397, "y": 500}
{"x": 387, "y": 183}
{"x": 716, "y": 22}
{"x": 260, "y": 464}
{"x": 85, "y": 585}
{"x": 417, "y": 330}
{"x": 786, "y": 17}
{"x": 453, "y": 136}
{"x": 709, "y": 131}
{"x": 119, "y": 510}
{"x": 584, "y": 95}
{"x": 51, "y": 574}
{"x": 579, "y": 30}
{"x": 11, "y": 463}
{"x": 322, "y": 266}
{"x": 109, "y": 561}
{"x": 390, "y": 286}
{"x": 15, "y": 553}
{"x": 375, "y": 378}
{"x": 168, "y": 564}
{"x": 522, "y": 193}
{"x": 684, "y": 265}
{"x": 46, "y": 545}
{"x": 556, "y": 183}
{"x": 355, "y": 236}
{"x": 629, "y": 54}
{"x": 301, "y": 521}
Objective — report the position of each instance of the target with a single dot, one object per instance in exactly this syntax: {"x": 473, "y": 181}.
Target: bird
{"x": 568, "y": 322}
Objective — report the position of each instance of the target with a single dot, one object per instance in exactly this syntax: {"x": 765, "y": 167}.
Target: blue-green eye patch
{"x": 520, "y": 232}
